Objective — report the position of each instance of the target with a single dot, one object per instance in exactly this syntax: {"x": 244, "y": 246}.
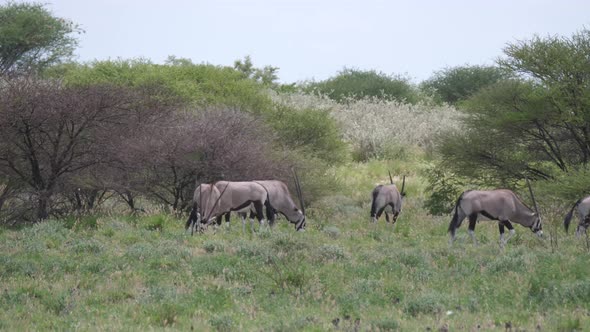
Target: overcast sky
{"x": 314, "y": 39}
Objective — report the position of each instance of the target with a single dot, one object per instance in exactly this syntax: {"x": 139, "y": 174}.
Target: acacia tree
{"x": 535, "y": 125}
{"x": 455, "y": 84}
{"x": 50, "y": 133}
{"x": 31, "y": 38}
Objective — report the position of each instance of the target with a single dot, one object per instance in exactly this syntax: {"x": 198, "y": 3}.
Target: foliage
{"x": 31, "y": 38}
{"x": 378, "y": 128}
{"x": 358, "y": 84}
{"x": 309, "y": 130}
{"x": 535, "y": 126}
{"x": 455, "y": 84}
{"x": 445, "y": 188}
{"x": 202, "y": 85}
{"x": 267, "y": 76}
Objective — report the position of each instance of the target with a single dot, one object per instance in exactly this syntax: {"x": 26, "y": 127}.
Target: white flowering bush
{"x": 375, "y": 127}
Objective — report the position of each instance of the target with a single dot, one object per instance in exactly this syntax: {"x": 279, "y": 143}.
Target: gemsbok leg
{"x": 511, "y": 231}
{"x": 472, "y": 222}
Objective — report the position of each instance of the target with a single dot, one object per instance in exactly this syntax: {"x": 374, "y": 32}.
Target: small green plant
{"x": 222, "y": 323}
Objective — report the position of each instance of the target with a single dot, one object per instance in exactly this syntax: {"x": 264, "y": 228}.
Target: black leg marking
{"x": 258, "y": 207}
{"x": 387, "y": 217}
{"x": 508, "y": 224}
{"x": 472, "y": 221}
{"x": 379, "y": 213}
{"x": 501, "y": 227}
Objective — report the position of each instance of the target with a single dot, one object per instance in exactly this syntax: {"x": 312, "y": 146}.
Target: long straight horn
{"x": 299, "y": 193}
{"x": 217, "y": 201}
{"x": 403, "y": 186}
{"x": 199, "y": 207}
{"x": 532, "y": 196}
{"x": 390, "y": 178}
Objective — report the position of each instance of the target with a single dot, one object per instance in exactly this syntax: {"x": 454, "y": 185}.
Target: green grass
{"x": 123, "y": 273}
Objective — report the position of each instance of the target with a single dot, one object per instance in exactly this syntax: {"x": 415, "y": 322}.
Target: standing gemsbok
{"x": 384, "y": 196}
{"x": 582, "y": 207}
{"x": 502, "y": 205}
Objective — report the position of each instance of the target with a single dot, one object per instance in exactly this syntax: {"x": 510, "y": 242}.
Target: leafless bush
{"x": 199, "y": 145}
{"x": 50, "y": 134}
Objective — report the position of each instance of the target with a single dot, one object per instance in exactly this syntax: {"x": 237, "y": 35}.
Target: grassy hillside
{"x": 114, "y": 272}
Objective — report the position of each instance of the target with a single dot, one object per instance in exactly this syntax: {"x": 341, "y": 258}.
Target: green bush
{"x": 310, "y": 131}
{"x": 455, "y": 84}
{"x": 358, "y": 84}
{"x": 201, "y": 84}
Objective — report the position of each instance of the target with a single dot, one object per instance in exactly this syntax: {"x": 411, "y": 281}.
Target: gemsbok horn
{"x": 582, "y": 207}
{"x": 284, "y": 203}
{"x": 502, "y": 205}
{"x": 384, "y": 196}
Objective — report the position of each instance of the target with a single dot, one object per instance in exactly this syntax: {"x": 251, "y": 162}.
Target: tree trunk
{"x": 43, "y": 206}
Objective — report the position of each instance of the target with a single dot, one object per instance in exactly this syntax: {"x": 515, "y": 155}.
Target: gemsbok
{"x": 384, "y": 196}
{"x": 227, "y": 196}
{"x": 205, "y": 206}
{"x": 582, "y": 207}
{"x": 242, "y": 194}
{"x": 502, "y": 205}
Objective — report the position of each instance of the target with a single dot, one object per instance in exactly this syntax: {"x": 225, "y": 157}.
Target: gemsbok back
{"x": 502, "y": 205}
{"x": 240, "y": 195}
{"x": 582, "y": 207}
{"x": 384, "y": 196}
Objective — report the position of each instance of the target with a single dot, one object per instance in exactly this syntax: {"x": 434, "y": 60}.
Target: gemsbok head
{"x": 582, "y": 207}
{"x": 280, "y": 201}
{"x": 502, "y": 205}
{"x": 384, "y": 196}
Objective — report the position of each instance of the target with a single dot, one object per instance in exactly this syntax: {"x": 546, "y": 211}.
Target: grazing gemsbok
{"x": 241, "y": 195}
{"x": 384, "y": 196}
{"x": 205, "y": 206}
{"x": 502, "y": 205}
{"x": 280, "y": 201}
{"x": 582, "y": 207}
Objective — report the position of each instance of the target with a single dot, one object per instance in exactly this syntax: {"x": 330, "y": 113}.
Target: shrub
{"x": 429, "y": 304}
{"x": 455, "y": 84}
{"x": 309, "y": 130}
{"x": 358, "y": 84}
{"x": 380, "y": 128}
{"x": 329, "y": 252}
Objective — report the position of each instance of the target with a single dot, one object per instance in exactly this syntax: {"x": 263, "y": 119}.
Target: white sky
{"x": 310, "y": 39}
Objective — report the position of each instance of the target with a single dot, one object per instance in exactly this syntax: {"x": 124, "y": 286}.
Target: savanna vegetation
{"x": 99, "y": 161}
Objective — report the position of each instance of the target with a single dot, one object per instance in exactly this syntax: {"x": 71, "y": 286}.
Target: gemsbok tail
{"x": 456, "y": 221}
{"x": 568, "y": 217}
{"x": 374, "y": 201}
